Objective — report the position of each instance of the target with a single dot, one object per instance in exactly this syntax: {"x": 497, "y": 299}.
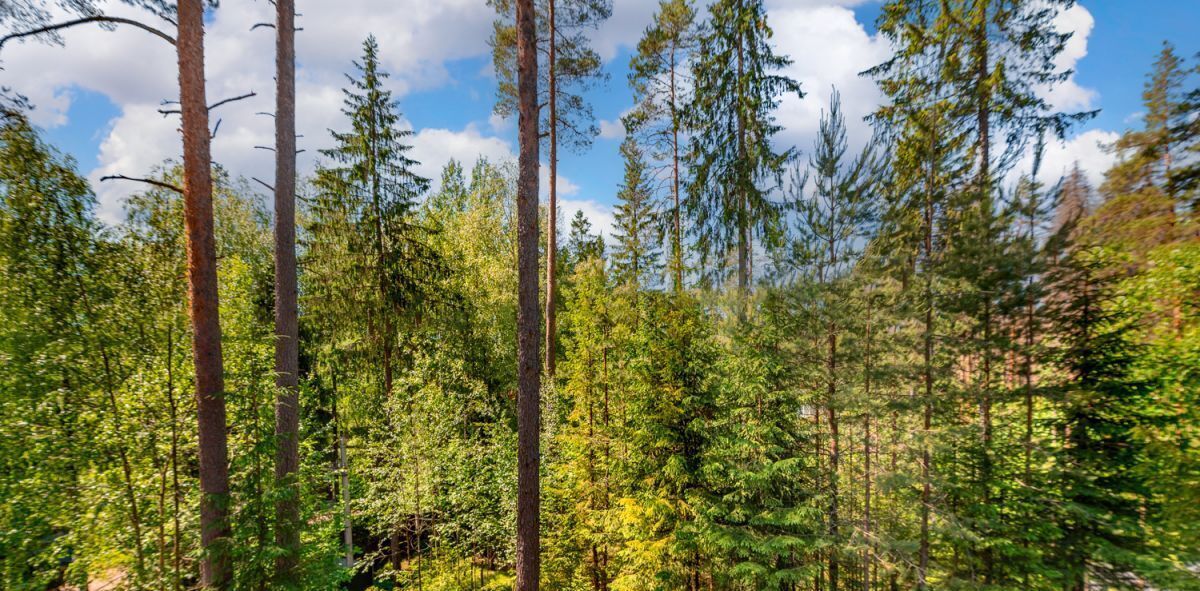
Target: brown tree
{"x": 528, "y": 370}
{"x": 287, "y": 405}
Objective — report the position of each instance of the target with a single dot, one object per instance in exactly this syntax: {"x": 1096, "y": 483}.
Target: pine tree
{"x": 658, "y": 75}
{"x": 287, "y": 322}
{"x": 571, "y": 68}
{"x": 528, "y": 550}
{"x": 836, "y": 220}
{"x": 736, "y": 88}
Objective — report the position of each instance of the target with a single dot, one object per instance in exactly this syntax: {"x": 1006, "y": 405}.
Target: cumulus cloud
{"x": 612, "y": 130}
{"x": 1069, "y": 95}
{"x": 1087, "y": 149}
{"x": 829, "y": 48}
{"x": 433, "y": 148}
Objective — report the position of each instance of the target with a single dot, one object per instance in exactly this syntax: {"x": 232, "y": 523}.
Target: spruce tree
{"x": 635, "y": 257}
{"x": 373, "y": 268}
{"x": 1138, "y": 211}
{"x": 735, "y": 166}
{"x": 581, "y": 243}
{"x": 1101, "y": 524}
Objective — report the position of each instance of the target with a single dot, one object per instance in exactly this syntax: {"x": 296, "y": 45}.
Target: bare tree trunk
{"x": 552, "y": 212}
{"x": 676, "y": 242}
{"x": 834, "y": 453}
{"x": 347, "y": 528}
{"x": 176, "y": 493}
{"x": 528, "y": 553}
{"x": 869, "y": 561}
{"x": 287, "y": 404}
{"x": 202, "y": 285}
{"x": 927, "y": 376}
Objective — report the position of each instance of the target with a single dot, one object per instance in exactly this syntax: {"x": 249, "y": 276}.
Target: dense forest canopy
{"x": 917, "y": 362}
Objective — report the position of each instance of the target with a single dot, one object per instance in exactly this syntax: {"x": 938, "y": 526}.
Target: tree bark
{"x": 528, "y": 558}
{"x": 204, "y": 305}
{"x": 677, "y": 242}
{"x": 834, "y": 459}
{"x": 552, "y": 213}
{"x": 868, "y": 572}
{"x": 287, "y": 404}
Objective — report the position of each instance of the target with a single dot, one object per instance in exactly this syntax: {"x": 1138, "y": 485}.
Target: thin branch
{"x": 232, "y": 99}
{"x": 264, "y": 148}
{"x": 159, "y": 184}
{"x": 88, "y": 19}
{"x": 267, "y": 25}
{"x": 215, "y": 128}
{"x": 166, "y": 112}
{"x": 263, "y": 183}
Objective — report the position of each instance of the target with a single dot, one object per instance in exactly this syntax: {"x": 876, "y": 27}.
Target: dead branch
{"x": 232, "y": 99}
{"x": 85, "y": 20}
{"x": 159, "y": 184}
{"x": 263, "y": 183}
{"x": 166, "y": 112}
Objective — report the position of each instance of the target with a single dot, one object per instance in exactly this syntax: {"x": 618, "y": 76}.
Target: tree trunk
{"x": 834, "y": 452}
{"x": 343, "y": 478}
{"x": 287, "y": 404}
{"x": 202, "y": 286}
{"x": 176, "y": 554}
{"x": 869, "y": 560}
{"x": 743, "y": 230}
{"x": 927, "y": 377}
{"x": 528, "y": 554}
{"x": 552, "y": 212}
{"x": 676, "y": 240}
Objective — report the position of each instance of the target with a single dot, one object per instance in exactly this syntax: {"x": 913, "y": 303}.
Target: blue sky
{"x": 96, "y": 96}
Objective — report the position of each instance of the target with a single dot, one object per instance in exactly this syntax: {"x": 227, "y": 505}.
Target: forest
{"x": 916, "y": 362}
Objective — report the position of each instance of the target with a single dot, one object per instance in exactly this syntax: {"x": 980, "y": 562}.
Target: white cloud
{"x": 623, "y": 29}
{"x": 829, "y": 48}
{"x": 433, "y": 148}
{"x": 1087, "y": 149}
{"x": 1069, "y": 95}
{"x": 500, "y": 123}
{"x": 612, "y": 130}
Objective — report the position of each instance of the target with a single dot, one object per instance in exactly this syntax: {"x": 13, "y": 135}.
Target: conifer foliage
{"x": 909, "y": 360}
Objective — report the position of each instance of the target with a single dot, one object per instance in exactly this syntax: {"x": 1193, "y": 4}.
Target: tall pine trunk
{"x": 834, "y": 452}
{"x": 676, "y": 239}
{"x": 528, "y": 552}
{"x": 552, "y": 213}
{"x": 215, "y": 566}
{"x": 287, "y": 411}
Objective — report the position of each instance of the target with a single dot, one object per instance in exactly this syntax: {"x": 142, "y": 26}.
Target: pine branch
{"x": 159, "y": 184}
{"x": 89, "y": 19}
